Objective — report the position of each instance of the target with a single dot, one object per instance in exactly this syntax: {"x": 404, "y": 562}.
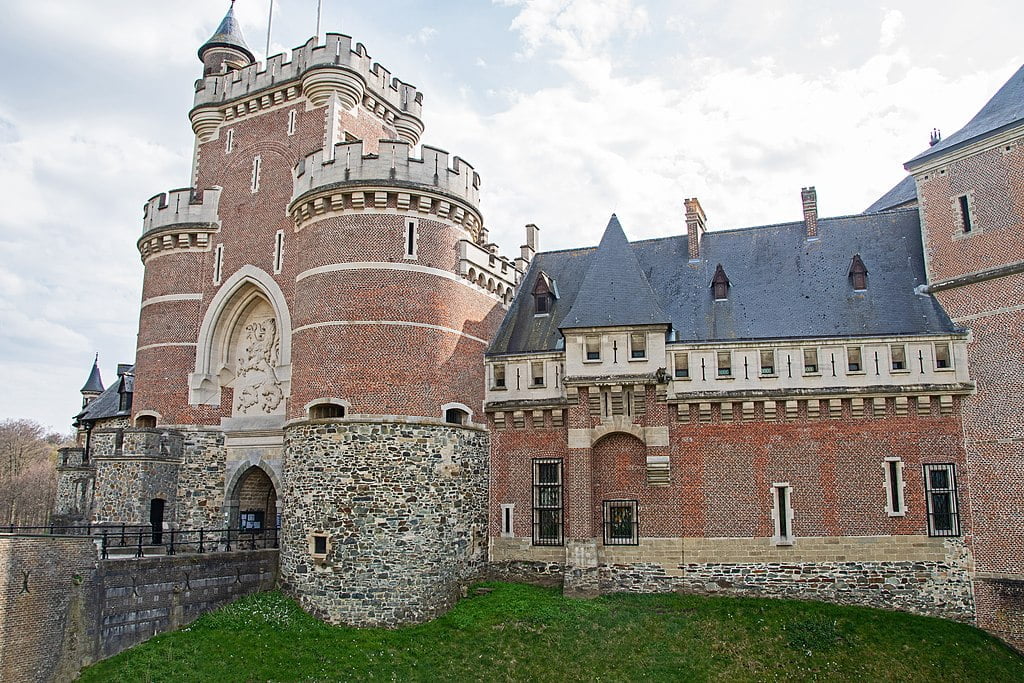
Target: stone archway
{"x": 252, "y": 503}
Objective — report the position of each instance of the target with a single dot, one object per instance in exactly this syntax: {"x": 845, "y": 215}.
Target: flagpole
{"x": 319, "y": 8}
{"x": 270, "y": 21}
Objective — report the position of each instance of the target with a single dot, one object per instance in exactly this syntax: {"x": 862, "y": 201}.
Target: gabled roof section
{"x": 94, "y": 384}
{"x": 228, "y": 34}
{"x": 545, "y": 285}
{"x": 903, "y": 195}
{"x": 1005, "y": 109}
{"x": 108, "y": 404}
{"x": 615, "y": 290}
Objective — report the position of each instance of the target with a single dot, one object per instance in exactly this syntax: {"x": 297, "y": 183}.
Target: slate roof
{"x": 228, "y": 34}
{"x": 95, "y": 382}
{"x": 1005, "y": 109}
{"x": 903, "y": 193}
{"x": 108, "y": 403}
{"x": 782, "y": 286}
{"x": 614, "y": 290}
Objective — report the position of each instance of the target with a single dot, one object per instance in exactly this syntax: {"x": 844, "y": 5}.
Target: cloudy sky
{"x": 570, "y": 110}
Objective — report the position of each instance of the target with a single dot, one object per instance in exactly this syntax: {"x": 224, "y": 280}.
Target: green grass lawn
{"x": 508, "y": 632}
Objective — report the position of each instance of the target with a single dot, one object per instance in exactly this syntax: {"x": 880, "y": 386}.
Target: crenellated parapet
{"x": 179, "y": 219}
{"x": 390, "y": 179}
{"x": 322, "y": 71}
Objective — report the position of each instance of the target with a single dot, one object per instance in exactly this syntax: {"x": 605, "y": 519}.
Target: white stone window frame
{"x": 949, "y": 357}
{"x": 229, "y": 141}
{"x": 629, "y": 349}
{"x": 816, "y": 372}
{"x": 494, "y": 377}
{"x": 675, "y": 366}
{"x": 410, "y": 238}
{"x": 719, "y": 367}
{"x": 976, "y": 227}
{"x": 508, "y": 520}
{"x": 543, "y": 374}
{"x": 892, "y": 360}
{"x": 459, "y": 406}
{"x": 777, "y": 537}
{"x": 319, "y": 558}
{"x": 774, "y": 366}
{"x": 257, "y": 167}
{"x": 862, "y": 370}
{"x": 278, "y": 251}
{"x": 899, "y": 486}
{"x": 218, "y": 264}
{"x": 600, "y": 342}
{"x": 292, "y": 116}
{"x": 345, "y": 406}
{"x": 147, "y": 413}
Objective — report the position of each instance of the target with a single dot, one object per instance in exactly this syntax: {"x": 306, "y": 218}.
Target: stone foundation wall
{"x": 403, "y": 507}
{"x": 61, "y": 608}
{"x": 201, "y": 481}
{"x": 916, "y": 574}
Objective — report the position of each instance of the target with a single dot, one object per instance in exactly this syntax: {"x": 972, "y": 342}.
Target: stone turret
{"x": 226, "y": 49}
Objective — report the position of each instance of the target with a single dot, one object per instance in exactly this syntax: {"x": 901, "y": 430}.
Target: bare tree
{"x": 28, "y": 478}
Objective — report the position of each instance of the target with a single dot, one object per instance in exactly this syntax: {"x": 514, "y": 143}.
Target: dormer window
{"x": 858, "y": 274}
{"x": 545, "y": 291}
{"x": 720, "y": 284}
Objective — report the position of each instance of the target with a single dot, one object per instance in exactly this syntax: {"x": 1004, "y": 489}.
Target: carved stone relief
{"x": 257, "y": 388}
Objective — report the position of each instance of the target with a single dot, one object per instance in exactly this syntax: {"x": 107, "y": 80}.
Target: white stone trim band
{"x": 157, "y": 346}
{"x": 171, "y": 297}
{"x": 399, "y": 323}
{"x": 379, "y": 265}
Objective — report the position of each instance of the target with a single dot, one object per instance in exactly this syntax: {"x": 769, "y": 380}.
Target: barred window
{"x": 621, "y": 526}
{"x": 547, "y": 501}
{"x": 941, "y": 497}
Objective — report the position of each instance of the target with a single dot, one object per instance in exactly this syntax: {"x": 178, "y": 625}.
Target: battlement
{"x": 392, "y": 165}
{"x": 186, "y": 206}
{"x": 337, "y": 53}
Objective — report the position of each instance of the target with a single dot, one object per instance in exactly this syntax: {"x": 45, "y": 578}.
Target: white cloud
{"x": 423, "y": 36}
{"x": 892, "y": 26}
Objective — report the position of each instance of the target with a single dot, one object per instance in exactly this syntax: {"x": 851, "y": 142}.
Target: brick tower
{"x": 971, "y": 193}
{"x": 312, "y": 328}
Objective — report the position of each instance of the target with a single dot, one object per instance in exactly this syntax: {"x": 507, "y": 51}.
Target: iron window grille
{"x": 941, "y": 498}
{"x": 548, "y": 525}
{"x": 621, "y": 524}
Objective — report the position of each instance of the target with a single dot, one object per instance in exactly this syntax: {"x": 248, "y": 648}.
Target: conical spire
{"x": 94, "y": 385}
{"x": 228, "y": 34}
{"x": 615, "y": 290}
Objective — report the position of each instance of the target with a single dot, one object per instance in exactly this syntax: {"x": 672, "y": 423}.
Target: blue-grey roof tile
{"x": 902, "y": 195}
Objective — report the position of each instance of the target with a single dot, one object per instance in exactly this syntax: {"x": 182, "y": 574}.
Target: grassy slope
{"x": 521, "y": 632}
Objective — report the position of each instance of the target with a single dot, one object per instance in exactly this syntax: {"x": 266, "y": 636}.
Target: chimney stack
{"x": 528, "y": 250}
{"x": 695, "y": 222}
{"x": 809, "y": 198}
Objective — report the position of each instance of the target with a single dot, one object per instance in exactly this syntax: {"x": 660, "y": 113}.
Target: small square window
{"x": 810, "y": 361}
{"x": 637, "y": 346}
{"x": 593, "y": 348}
{"x": 725, "y": 364}
{"x": 767, "y": 362}
{"x": 681, "y": 362}
{"x": 621, "y": 526}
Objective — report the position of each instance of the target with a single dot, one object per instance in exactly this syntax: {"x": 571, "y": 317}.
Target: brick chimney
{"x": 695, "y": 222}
{"x": 809, "y": 198}
{"x": 528, "y": 250}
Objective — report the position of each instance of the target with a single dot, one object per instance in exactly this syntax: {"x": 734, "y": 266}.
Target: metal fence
{"x": 138, "y": 540}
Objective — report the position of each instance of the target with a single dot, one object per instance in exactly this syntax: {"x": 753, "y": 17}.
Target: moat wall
{"x": 61, "y": 608}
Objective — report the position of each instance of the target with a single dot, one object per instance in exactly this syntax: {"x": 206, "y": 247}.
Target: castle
{"x": 328, "y": 341}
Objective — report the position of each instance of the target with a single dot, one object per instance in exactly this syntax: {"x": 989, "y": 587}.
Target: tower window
{"x": 411, "y": 230}
{"x": 681, "y": 361}
{"x": 810, "y": 361}
{"x": 782, "y": 513}
{"x": 325, "y": 411}
{"x": 278, "y": 251}
{"x": 767, "y": 362}
{"x": 456, "y": 416}
{"x": 257, "y": 162}
{"x": 894, "y": 487}
{"x": 547, "y": 501}
{"x": 965, "y": 213}
{"x": 638, "y": 346}
{"x": 941, "y": 497}
{"x": 499, "y": 376}
{"x": 291, "y": 121}
{"x": 621, "y": 526}
{"x": 942, "y": 357}
{"x": 218, "y": 263}
{"x": 593, "y": 348}
{"x": 853, "y": 359}
{"x": 537, "y": 374}
{"x": 898, "y": 353}
{"x": 229, "y": 141}
{"x": 725, "y": 364}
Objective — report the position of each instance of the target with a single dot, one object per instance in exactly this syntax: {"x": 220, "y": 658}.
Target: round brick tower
{"x": 313, "y": 324}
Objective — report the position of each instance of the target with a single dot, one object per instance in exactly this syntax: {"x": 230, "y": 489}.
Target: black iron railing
{"x": 142, "y": 539}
